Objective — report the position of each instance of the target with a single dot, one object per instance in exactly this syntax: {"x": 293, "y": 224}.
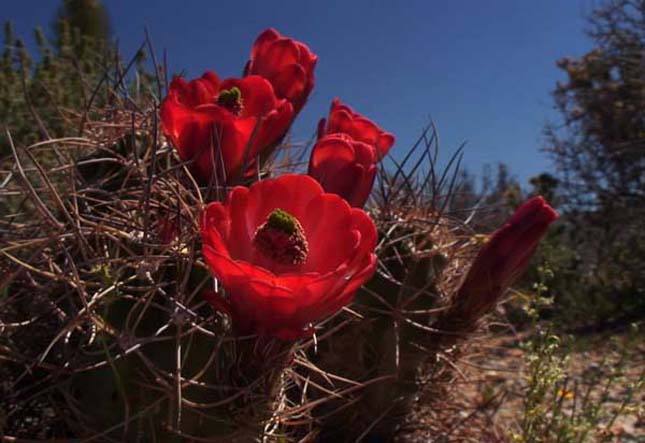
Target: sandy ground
{"x": 485, "y": 402}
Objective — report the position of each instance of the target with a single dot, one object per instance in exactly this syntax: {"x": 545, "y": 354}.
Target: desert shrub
{"x": 562, "y": 404}
{"x": 597, "y": 147}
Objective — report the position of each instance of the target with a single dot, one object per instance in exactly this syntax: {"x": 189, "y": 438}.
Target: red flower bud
{"x": 342, "y": 119}
{"x": 222, "y": 126}
{"x": 287, "y": 63}
{"x": 503, "y": 258}
{"x": 345, "y": 167}
{"x": 287, "y": 253}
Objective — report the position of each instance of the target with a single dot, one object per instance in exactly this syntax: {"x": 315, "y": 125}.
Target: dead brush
{"x": 104, "y": 333}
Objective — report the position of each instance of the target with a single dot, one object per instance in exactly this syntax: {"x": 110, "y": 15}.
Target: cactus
{"x": 389, "y": 344}
{"x": 118, "y": 339}
{"x": 105, "y": 322}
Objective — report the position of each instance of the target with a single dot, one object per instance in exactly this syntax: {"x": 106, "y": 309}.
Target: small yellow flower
{"x": 565, "y": 393}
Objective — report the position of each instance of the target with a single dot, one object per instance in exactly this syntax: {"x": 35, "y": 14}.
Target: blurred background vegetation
{"x": 42, "y": 94}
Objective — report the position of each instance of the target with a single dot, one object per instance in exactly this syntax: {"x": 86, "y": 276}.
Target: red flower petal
{"x": 258, "y": 97}
{"x": 344, "y": 167}
{"x": 263, "y": 41}
{"x": 286, "y": 63}
{"x": 343, "y": 120}
{"x": 281, "y": 52}
{"x": 219, "y": 143}
{"x": 291, "y": 81}
{"x": 336, "y": 214}
{"x": 201, "y": 91}
{"x": 265, "y": 298}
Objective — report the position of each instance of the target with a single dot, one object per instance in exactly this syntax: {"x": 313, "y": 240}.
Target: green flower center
{"x": 231, "y": 99}
{"x": 282, "y": 239}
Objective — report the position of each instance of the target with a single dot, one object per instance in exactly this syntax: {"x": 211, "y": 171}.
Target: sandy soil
{"x": 485, "y": 400}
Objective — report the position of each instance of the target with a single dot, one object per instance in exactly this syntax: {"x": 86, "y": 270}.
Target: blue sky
{"x": 482, "y": 70}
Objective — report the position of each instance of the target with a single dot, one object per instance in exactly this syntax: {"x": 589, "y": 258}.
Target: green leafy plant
{"x": 561, "y": 406}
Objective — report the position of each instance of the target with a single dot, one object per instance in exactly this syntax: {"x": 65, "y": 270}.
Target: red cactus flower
{"x": 342, "y": 119}
{"x": 288, "y": 64}
{"x": 504, "y": 257}
{"x": 221, "y": 126}
{"x": 287, "y": 254}
{"x": 345, "y": 167}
